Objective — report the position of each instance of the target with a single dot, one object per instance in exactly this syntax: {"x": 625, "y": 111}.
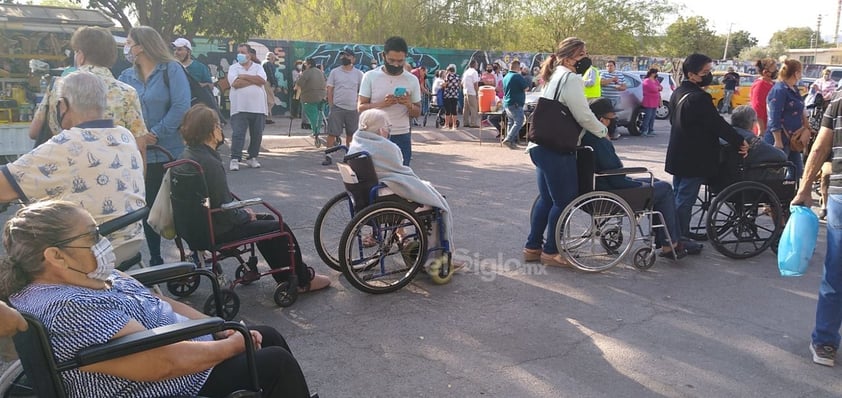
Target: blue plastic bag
{"x": 798, "y": 241}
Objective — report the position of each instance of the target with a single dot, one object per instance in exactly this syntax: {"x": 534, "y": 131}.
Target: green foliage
{"x": 738, "y": 41}
{"x": 775, "y": 50}
{"x": 688, "y": 35}
{"x": 795, "y": 38}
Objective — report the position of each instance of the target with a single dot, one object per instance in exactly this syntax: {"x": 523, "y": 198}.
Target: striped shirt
{"x": 833, "y": 120}
{"x": 610, "y": 90}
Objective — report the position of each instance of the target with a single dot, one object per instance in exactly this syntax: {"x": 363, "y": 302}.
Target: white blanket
{"x": 388, "y": 162}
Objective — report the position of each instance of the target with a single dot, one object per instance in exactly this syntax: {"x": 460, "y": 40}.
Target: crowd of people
{"x": 95, "y": 167}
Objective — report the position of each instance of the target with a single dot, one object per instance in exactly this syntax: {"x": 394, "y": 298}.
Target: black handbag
{"x": 551, "y": 124}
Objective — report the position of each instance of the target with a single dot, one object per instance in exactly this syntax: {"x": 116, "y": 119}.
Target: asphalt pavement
{"x": 704, "y": 326}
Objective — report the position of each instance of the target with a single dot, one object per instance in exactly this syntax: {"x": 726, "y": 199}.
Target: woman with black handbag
{"x": 557, "y": 124}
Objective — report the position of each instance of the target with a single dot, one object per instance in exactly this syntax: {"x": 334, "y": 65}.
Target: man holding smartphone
{"x": 394, "y": 90}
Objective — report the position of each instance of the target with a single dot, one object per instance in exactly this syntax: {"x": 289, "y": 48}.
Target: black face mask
{"x": 393, "y": 70}
{"x": 774, "y": 75}
{"x": 706, "y": 80}
{"x": 488, "y": 71}
{"x": 612, "y": 126}
{"x": 345, "y": 61}
{"x": 582, "y": 65}
{"x": 59, "y": 114}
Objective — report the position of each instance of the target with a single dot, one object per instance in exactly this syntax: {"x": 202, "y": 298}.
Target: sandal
{"x": 317, "y": 282}
{"x": 531, "y": 255}
{"x": 554, "y": 260}
{"x": 675, "y": 254}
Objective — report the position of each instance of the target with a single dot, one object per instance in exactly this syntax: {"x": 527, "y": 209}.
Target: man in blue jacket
{"x": 514, "y": 97}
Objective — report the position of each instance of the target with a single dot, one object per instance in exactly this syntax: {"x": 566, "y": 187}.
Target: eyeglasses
{"x": 94, "y": 232}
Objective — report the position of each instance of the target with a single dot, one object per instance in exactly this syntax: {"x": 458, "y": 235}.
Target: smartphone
{"x": 400, "y": 91}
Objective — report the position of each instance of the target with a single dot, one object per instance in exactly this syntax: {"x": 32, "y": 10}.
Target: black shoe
{"x": 270, "y": 121}
{"x": 676, "y": 254}
{"x": 327, "y": 161}
{"x": 156, "y": 260}
{"x": 692, "y": 248}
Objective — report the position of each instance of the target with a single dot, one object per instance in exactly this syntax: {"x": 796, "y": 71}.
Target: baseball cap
{"x": 601, "y": 106}
{"x": 182, "y": 42}
{"x": 347, "y": 51}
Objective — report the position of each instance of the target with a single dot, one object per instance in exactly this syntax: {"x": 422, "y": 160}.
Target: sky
{"x": 761, "y": 19}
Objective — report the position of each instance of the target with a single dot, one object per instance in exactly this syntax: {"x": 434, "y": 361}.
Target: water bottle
{"x": 44, "y": 84}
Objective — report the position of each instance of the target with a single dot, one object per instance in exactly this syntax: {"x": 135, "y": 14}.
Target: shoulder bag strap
{"x": 560, "y": 85}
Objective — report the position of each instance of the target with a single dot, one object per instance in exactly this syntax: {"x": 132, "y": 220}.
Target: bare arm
{"x": 37, "y": 121}
{"x": 330, "y": 95}
{"x": 364, "y": 103}
{"x": 818, "y": 155}
{"x": 11, "y": 321}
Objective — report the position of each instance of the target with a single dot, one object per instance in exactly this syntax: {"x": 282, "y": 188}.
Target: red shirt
{"x": 759, "y": 91}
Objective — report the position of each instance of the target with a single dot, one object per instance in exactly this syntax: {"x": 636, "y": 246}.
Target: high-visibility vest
{"x": 594, "y": 91}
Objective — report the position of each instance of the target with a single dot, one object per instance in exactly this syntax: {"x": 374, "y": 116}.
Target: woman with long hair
{"x": 786, "y": 113}
{"x": 164, "y": 91}
{"x": 768, "y": 71}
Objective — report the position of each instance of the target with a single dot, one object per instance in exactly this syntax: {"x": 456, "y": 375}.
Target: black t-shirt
{"x": 731, "y": 80}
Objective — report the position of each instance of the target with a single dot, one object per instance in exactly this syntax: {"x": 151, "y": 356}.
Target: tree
{"x": 775, "y": 50}
{"x": 738, "y": 41}
{"x": 688, "y": 35}
{"x": 796, "y": 38}
{"x": 218, "y": 18}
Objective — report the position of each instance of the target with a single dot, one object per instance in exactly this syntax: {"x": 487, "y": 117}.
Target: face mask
{"x": 582, "y": 65}
{"x": 774, "y": 75}
{"x": 127, "y": 52}
{"x": 242, "y": 59}
{"x": 706, "y": 80}
{"x": 298, "y": 67}
{"x": 523, "y": 73}
{"x": 612, "y": 126}
{"x": 221, "y": 141}
{"x": 105, "y": 260}
{"x": 393, "y": 70}
{"x": 345, "y": 61}
{"x": 488, "y": 71}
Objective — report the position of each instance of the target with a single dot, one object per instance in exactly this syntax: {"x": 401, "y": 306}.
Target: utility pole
{"x": 818, "y": 38}
{"x": 728, "y": 39}
{"x": 836, "y": 32}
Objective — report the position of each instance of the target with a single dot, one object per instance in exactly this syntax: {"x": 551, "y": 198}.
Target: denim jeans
{"x": 726, "y": 101}
{"x": 241, "y": 121}
{"x": 557, "y": 187}
{"x": 648, "y": 121}
{"x": 686, "y": 192}
{"x": 515, "y": 123}
{"x": 829, "y": 306}
{"x": 663, "y": 200}
{"x": 404, "y": 142}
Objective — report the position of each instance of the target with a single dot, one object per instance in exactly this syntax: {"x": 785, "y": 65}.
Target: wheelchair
{"x": 38, "y": 373}
{"x": 385, "y": 239}
{"x": 598, "y": 229}
{"x": 742, "y": 211}
{"x": 192, "y": 216}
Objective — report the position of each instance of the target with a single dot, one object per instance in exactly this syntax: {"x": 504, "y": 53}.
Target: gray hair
{"x": 373, "y": 120}
{"x": 744, "y": 117}
{"x": 86, "y": 93}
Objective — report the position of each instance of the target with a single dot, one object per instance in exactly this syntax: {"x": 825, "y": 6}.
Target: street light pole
{"x": 727, "y": 40}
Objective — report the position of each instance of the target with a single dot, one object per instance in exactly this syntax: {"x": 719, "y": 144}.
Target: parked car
{"x": 668, "y": 84}
{"x": 741, "y": 96}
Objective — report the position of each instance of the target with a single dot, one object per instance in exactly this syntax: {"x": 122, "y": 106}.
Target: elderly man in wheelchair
{"x": 398, "y": 219}
{"x": 60, "y": 273}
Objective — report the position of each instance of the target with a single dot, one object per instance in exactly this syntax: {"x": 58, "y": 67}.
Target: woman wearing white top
{"x": 556, "y": 171}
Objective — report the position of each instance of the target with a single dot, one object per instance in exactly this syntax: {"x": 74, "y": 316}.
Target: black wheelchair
{"x": 377, "y": 239}
{"x": 742, "y": 211}
{"x": 598, "y": 228}
{"x": 38, "y": 372}
{"x": 192, "y": 215}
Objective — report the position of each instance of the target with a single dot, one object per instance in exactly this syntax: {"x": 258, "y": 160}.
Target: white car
{"x": 668, "y": 83}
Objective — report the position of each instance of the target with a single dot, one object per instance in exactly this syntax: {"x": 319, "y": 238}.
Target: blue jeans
{"x": 515, "y": 115}
{"x": 648, "y": 121}
{"x": 557, "y": 187}
{"x": 241, "y": 121}
{"x": 726, "y": 101}
{"x": 663, "y": 200}
{"x": 404, "y": 142}
{"x": 686, "y": 192}
{"x": 829, "y": 306}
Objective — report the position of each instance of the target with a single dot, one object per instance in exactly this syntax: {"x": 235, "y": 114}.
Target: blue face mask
{"x": 242, "y": 58}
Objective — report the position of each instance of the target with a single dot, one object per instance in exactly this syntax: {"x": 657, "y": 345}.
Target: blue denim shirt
{"x": 162, "y": 108}
{"x": 786, "y": 111}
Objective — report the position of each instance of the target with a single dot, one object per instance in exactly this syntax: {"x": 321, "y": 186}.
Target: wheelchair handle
{"x": 240, "y": 203}
{"x": 123, "y": 221}
{"x": 356, "y": 155}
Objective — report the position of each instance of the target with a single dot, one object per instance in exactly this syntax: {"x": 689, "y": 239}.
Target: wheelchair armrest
{"x": 624, "y": 170}
{"x": 148, "y": 339}
{"x": 336, "y": 148}
{"x": 770, "y": 164}
{"x": 237, "y": 204}
{"x": 123, "y": 221}
{"x": 152, "y": 275}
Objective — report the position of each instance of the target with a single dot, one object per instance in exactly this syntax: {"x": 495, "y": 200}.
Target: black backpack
{"x": 198, "y": 94}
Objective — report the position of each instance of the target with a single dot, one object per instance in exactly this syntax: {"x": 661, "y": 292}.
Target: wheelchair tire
{"x": 441, "y": 270}
{"x": 644, "y": 258}
{"x": 230, "y": 305}
{"x": 241, "y": 272}
{"x": 286, "y": 293}
{"x": 596, "y": 231}
{"x": 331, "y": 221}
{"x": 393, "y": 261}
{"x": 744, "y": 219}
{"x": 183, "y": 287}
{"x": 13, "y": 382}
{"x": 698, "y": 215}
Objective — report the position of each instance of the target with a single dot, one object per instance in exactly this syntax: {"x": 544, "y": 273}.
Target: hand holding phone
{"x": 400, "y": 91}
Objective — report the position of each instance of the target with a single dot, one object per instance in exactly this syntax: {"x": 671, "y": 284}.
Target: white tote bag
{"x": 160, "y": 215}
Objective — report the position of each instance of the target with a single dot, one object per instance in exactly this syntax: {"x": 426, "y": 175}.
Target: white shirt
{"x": 251, "y": 98}
{"x": 469, "y": 79}
{"x": 377, "y": 84}
{"x": 572, "y": 94}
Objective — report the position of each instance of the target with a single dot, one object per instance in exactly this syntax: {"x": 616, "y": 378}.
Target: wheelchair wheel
{"x": 286, "y": 293}
{"x": 14, "y": 383}
{"x": 744, "y": 220}
{"x": 331, "y": 221}
{"x": 243, "y": 270}
{"x": 230, "y": 305}
{"x": 698, "y": 215}
{"x": 441, "y": 270}
{"x": 398, "y": 253}
{"x": 183, "y": 287}
{"x": 644, "y": 258}
{"x": 595, "y": 231}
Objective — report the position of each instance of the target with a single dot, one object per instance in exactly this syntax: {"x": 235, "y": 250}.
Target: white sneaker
{"x": 253, "y": 163}
{"x": 234, "y": 165}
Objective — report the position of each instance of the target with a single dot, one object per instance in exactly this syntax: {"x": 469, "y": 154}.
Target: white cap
{"x": 182, "y": 42}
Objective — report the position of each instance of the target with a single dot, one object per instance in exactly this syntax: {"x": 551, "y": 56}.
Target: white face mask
{"x": 105, "y": 261}
{"x": 127, "y": 52}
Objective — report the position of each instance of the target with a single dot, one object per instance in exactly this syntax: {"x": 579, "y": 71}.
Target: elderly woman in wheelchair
{"x": 397, "y": 219}
{"x": 60, "y": 271}
{"x": 202, "y": 132}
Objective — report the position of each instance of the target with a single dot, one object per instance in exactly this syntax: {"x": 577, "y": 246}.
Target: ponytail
{"x": 548, "y": 67}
